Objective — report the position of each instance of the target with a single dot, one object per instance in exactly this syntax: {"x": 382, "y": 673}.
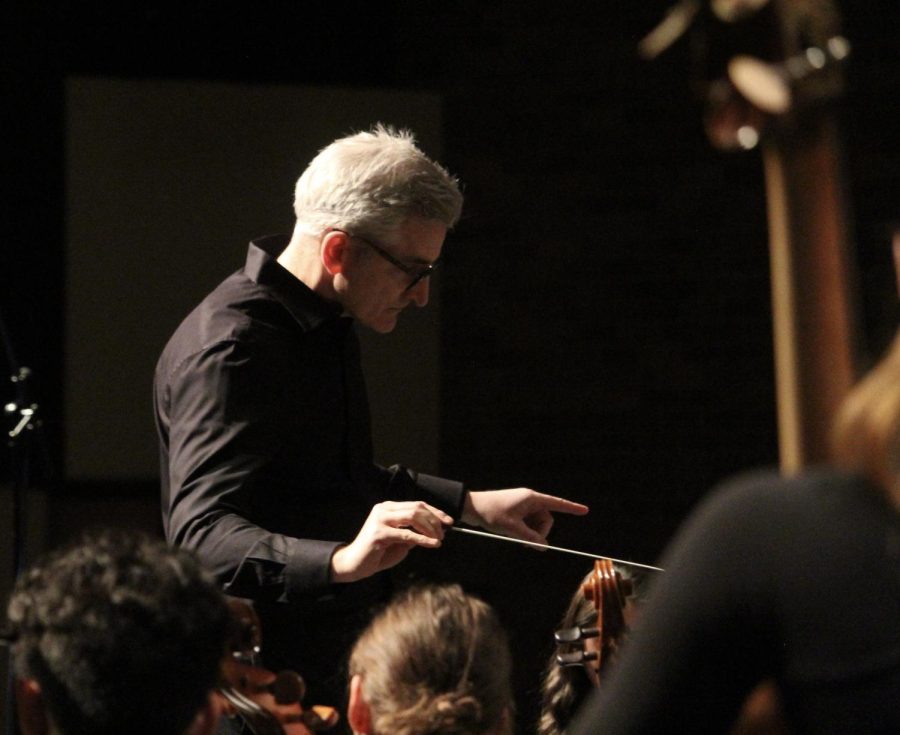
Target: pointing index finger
{"x": 561, "y": 505}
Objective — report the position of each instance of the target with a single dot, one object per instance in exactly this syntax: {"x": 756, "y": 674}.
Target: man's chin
{"x": 385, "y": 324}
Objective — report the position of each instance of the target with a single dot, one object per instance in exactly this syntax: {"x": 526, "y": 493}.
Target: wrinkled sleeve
{"x": 227, "y": 422}
{"x": 225, "y": 425}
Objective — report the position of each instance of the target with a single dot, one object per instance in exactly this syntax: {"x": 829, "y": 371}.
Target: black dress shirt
{"x": 265, "y": 444}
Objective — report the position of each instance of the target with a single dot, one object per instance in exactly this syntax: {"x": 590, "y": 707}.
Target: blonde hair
{"x": 866, "y": 432}
{"x": 435, "y": 661}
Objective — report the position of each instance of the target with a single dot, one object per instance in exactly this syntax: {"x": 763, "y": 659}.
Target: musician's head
{"x": 866, "y": 435}
{"x": 371, "y": 183}
{"x": 435, "y": 661}
{"x": 117, "y": 634}
{"x": 372, "y": 214}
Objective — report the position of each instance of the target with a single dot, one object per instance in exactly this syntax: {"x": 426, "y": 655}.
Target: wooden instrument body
{"x": 268, "y": 703}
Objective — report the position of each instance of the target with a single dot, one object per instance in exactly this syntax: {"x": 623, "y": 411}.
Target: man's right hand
{"x": 390, "y": 531}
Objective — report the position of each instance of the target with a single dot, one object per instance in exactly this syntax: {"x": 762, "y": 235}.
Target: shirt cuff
{"x": 448, "y": 495}
{"x": 308, "y": 567}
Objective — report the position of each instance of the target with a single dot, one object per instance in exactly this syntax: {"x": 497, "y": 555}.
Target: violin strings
{"x": 551, "y": 548}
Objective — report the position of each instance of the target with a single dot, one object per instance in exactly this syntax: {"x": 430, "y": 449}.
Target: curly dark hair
{"x": 436, "y": 661}
{"x": 121, "y": 633}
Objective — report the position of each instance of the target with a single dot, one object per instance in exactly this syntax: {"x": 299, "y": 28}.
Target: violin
{"x": 268, "y": 703}
{"x": 595, "y": 646}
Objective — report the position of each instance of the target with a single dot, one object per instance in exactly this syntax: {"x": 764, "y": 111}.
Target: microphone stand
{"x": 23, "y": 416}
{"x": 22, "y": 433}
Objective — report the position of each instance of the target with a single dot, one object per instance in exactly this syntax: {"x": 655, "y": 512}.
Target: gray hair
{"x": 371, "y": 183}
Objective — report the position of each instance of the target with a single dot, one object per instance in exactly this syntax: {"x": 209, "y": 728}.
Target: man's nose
{"x": 419, "y": 292}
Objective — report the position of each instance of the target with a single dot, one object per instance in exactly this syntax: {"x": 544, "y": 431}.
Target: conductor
{"x": 262, "y": 415}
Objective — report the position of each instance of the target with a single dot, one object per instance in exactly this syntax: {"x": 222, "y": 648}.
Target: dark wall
{"x": 605, "y": 305}
{"x": 607, "y": 328}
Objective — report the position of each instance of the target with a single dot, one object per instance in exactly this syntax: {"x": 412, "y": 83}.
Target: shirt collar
{"x": 304, "y": 304}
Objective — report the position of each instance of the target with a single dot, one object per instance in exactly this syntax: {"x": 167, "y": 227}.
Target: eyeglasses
{"x": 416, "y": 274}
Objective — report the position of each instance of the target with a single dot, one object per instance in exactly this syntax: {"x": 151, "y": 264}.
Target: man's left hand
{"x": 518, "y": 512}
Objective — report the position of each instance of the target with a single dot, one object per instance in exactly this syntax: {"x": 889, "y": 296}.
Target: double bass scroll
{"x": 783, "y": 99}
{"x": 786, "y": 103}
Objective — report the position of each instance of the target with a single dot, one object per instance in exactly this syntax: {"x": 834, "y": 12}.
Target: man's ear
{"x": 359, "y": 716}
{"x": 30, "y": 706}
{"x": 207, "y": 717}
{"x": 335, "y": 245}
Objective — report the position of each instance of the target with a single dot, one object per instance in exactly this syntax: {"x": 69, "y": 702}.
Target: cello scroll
{"x": 594, "y": 646}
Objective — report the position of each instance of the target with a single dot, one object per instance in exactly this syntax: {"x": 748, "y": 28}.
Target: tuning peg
{"x": 576, "y": 658}
{"x": 576, "y": 634}
{"x": 319, "y": 718}
{"x": 731, "y": 11}
{"x": 288, "y": 687}
{"x": 670, "y": 29}
{"x": 771, "y": 87}
{"x": 681, "y": 16}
